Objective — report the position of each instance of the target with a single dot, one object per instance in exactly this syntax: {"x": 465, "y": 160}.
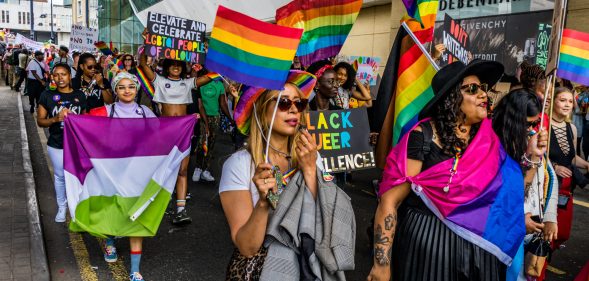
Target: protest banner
{"x": 28, "y": 43}
{"x": 342, "y": 138}
{"x": 175, "y": 38}
{"x": 543, "y": 44}
{"x": 367, "y": 68}
{"x": 83, "y": 38}
{"x": 455, "y": 40}
{"x": 558, "y": 24}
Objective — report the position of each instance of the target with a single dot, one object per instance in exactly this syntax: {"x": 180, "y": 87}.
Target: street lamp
{"x": 52, "y": 34}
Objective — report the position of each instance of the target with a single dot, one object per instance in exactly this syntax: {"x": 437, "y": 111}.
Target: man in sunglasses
{"x": 89, "y": 80}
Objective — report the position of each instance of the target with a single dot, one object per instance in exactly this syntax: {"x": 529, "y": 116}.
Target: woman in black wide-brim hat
{"x": 410, "y": 241}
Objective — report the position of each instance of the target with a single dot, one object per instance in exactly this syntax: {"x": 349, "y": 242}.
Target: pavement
{"x": 199, "y": 251}
{"x": 22, "y": 252}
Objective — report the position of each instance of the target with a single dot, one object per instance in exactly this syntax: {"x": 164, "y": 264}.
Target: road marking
{"x": 581, "y": 203}
{"x": 555, "y": 270}
{"x": 117, "y": 269}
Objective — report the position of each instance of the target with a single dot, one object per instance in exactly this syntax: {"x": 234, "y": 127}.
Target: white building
{"x": 15, "y": 15}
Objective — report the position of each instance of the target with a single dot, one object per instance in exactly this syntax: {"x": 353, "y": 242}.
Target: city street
{"x": 201, "y": 250}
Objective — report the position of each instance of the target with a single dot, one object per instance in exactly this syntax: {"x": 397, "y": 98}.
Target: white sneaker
{"x": 60, "y": 217}
{"x": 196, "y": 176}
{"x": 206, "y": 175}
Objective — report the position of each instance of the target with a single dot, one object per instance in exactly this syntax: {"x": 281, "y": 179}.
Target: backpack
{"x": 13, "y": 60}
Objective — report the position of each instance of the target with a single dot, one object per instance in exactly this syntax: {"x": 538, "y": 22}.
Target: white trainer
{"x": 206, "y": 175}
{"x": 197, "y": 174}
{"x": 60, "y": 217}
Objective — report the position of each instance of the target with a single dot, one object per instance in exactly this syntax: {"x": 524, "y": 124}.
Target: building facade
{"x": 15, "y": 16}
{"x": 85, "y": 12}
{"x": 512, "y": 27}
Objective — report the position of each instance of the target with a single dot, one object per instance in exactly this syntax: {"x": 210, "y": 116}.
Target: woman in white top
{"x": 248, "y": 177}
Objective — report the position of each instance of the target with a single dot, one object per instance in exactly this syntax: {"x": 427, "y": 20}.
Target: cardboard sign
{"x": 367, "y": 69}
{"x": 342, "y": 137}
{"x": 455, "y": 40}
{"x": 28, "y": 43}
{"x": 558, "y": 24}
{"x": 542, "y": 44}
{"x": 83, "y": 38}
{"x": 175, "y": 38}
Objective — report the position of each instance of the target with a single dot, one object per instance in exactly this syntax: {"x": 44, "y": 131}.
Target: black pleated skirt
{"x": 425, "y": 249}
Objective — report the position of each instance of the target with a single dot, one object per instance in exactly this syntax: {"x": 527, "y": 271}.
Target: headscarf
{"x": 124, "y": 75}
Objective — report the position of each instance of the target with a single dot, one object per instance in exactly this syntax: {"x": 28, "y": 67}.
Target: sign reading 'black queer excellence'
{"x": 342, "y": 137}
{"x": 175, "y": 38}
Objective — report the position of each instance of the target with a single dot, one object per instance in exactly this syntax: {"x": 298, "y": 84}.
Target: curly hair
{"x": 350, "y": 72}
{"x": 447, "y": 117}
{"x": 510, "y": 119}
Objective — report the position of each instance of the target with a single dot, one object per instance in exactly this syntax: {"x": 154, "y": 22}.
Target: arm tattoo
{"x": 390, "y": 221}
{"x": 382, "y": 243}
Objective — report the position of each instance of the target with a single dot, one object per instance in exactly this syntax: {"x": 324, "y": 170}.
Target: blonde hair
{"x": 256, "y": 143}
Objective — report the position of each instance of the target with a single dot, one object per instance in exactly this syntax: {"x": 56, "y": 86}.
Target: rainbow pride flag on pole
{"x": 326, "y": 24}
{"x": 123, "y": 189}
{"x": 574, "y": 57}
{"x": 251, "y": 51}
{"x": 406, "y": 84}
{"x": 104, "y": 49}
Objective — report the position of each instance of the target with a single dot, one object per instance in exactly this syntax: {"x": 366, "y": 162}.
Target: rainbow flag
{"x": 251, "y": 51}
{"x": 574, "y": 57}
{"x": 119, "y": 63}
{"x": 484, "y": 201}
{"x": 406, "y": 84}
{"x": 145, "y": 83}
{"x": 420, "y": 10}
{"x": 214, "y": 76}
{"x": 104, "y": 49}
{"x": 326, "y": 24}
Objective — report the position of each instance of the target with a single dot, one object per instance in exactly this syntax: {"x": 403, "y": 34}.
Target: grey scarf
{"x": 329, "y": 221}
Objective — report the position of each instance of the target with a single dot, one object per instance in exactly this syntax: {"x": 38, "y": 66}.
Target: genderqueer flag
{"x": 120, "y": 173}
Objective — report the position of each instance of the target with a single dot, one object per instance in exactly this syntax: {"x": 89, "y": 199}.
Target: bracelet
{"x": 527, "y": 163}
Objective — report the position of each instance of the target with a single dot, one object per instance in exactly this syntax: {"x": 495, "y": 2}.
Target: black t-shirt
{"x": 93, "y": 94}
{"x": 54, "y": 102}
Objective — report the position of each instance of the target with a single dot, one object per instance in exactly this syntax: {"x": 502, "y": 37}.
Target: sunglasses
{"x": 533, "y": 124}
{"x": 90, "y": 67}
{"x": 284, "y": 104}
{"x": 474, "y": 88}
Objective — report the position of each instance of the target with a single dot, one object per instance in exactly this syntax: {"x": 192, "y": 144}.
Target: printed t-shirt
{"x": 54, "y": 102}
{"x": 238, "y": 171}
{"x": 209, "y": 95}
{"x": 173, "y": 91}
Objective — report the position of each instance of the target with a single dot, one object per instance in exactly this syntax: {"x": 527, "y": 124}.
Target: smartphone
{"x": 536, "y": 219}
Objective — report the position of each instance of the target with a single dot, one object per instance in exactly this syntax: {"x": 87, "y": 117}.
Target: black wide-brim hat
{"x": 446, "y": 79}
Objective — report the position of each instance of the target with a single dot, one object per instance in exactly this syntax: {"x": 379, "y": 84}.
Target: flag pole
{"x": 421, "y": 47}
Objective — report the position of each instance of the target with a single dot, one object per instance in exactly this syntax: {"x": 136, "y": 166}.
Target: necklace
{"x": 281, "y": 153}
{"x": 557, "y": 121}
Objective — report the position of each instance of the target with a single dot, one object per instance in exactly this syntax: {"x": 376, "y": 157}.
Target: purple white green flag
{"x": 120, "y": 173}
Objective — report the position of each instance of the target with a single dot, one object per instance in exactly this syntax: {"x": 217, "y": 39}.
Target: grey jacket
{"x": 329, "y": 221}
